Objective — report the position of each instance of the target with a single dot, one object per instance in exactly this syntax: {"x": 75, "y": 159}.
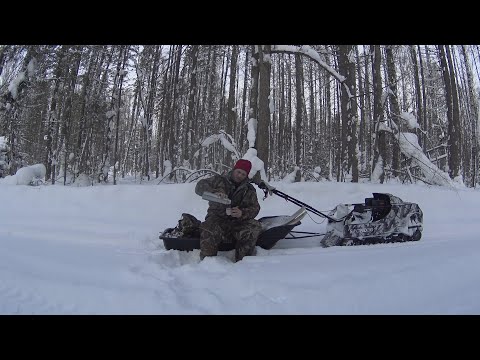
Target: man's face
{"x": 239, "y": 175}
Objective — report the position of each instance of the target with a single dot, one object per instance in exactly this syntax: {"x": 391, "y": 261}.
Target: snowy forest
{"x": 346, "y": 113}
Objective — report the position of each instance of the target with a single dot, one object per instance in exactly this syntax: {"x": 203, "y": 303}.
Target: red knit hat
{"x": 244, "y": 165}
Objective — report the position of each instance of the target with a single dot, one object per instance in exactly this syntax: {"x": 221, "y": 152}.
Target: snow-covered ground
{"x": 95, "y": 250}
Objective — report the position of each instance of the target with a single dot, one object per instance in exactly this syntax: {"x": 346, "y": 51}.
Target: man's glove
{"x": 266, "y": 187}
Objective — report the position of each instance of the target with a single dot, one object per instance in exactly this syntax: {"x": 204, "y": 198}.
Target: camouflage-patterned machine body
{"x": 382, "y": 219}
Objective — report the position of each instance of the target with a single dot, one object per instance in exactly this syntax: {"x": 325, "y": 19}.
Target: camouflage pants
{"x": 214, "y": 231}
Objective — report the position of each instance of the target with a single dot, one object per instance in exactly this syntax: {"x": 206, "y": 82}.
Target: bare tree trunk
{"x": 263, "y": 128}
{"x": 103, "y": 176}
{"x": 474, "y": 118}
{"x": 163, "y": 128}
{"x": 67, "y": 118}
{"x": 191, "y": 105}
{"x": 362, "y": 130}
{"x": 130, "y": 135}
{"x": 202, "y": 113}
{"x": 342, "y": 66}
{"x": 464, "y": 116}
{"x": 454, "y": 127}
{"x": 380, "y": 143}
{"x": 80, "y": 166}
{"x": 241, "y": 146}
{"x": 231, "y": 108}
{"x": 210, "y": 122}
{"x": 289, "y": 134}
{"x": 457, "y": 125}
{"x": 428, "y": 101}
{"x": 369, "y": 126}
{"x": 352, "y": 118}
{"x": 348, "y": 158}
{"x": 150, "y": 107}
{"x": 174, "y": 121}
{"x": 313, "y": 124}
{"x": 281, "y": 139}
{"x": 52, "y": 114}
{"x": 418, "y": 92}
{"x": 298, "y": 115}
{"x": 253, "y": 111}
{"x": 223, "y": 79}
{"x": 423, "y": 119}
{"x": 394, "y": 106}
{"x": 119, "y": 104}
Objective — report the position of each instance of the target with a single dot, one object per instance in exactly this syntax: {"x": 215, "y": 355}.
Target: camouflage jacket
{"x": 243, "y": 196}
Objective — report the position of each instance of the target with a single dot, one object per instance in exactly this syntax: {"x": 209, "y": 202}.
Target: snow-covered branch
{"x": 411, "y": 149}
{"x": 225, "y": 139}
{"x": 16, "y": 86}
{"x": 314, "y": 55}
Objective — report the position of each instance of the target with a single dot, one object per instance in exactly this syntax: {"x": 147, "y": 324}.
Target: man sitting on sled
{"x": 234, "y": 222}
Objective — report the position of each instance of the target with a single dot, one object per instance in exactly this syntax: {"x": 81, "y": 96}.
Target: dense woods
{"x": 338, "y": 112}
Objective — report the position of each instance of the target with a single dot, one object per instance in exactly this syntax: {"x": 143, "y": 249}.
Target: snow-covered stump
{"x": 82, "y": 180}
{"x": 257, "y": 164}
{"x": 29, "y": 175}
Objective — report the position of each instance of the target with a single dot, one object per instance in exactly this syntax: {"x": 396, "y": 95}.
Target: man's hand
{"x": 266, "y": 187}
{"x": 236, "y": 212}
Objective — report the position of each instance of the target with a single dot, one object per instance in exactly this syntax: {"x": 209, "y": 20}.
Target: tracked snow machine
{"x": 384, "y": 218}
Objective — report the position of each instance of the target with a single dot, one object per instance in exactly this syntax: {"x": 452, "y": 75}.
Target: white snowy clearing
{"x": 95, "y": 250}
